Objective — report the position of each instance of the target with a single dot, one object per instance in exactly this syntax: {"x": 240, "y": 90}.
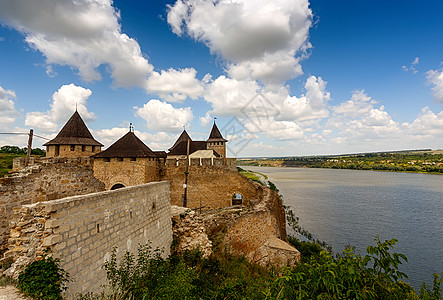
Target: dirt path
{"x": 10, "y": 292}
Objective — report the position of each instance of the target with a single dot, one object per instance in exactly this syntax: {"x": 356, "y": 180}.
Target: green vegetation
{"x": 423, "y": 161}
{"x": 6, "y": 162}
{"x": 223, "y": 276}
{"x": 251, "y": 175}
{"x": 43, "y": 279}
{"x": 8, "y": 153}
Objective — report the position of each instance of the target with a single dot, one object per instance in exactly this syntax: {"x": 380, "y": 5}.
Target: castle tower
{"x": 74, "y": 140}
{"x": 128, "y": 162}
{"x": 216, "y": 141}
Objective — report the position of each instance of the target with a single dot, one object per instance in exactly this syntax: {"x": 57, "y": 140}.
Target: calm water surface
{"x": 350, "y": 207}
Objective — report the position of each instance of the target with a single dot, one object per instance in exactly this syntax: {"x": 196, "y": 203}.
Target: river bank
{"x": 429, "y": 162}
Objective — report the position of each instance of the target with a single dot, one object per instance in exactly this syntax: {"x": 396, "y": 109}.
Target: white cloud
{"x": 163, "y": 116}
{"x": 280, "y": 130}
{"x": 206, "y": 120}
{"x": 83, "y": 34}
{"x": 259, "y": 37}
{"x": 435, "y": 77}
{"x": 7, "y": 108}
{"x": 158, "y": 141}
{"x": 175, "y": 85}
{"x": 426, "y": 124}
{"x": 359, "y": 119}
{"x": 229, "y": 96}
{"x": 64, "y": 102}
{"x": 412, "y": 66}
{"x": 311, "y": 106}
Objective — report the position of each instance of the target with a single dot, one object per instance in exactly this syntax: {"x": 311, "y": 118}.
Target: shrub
{"x": 43, "y": 279}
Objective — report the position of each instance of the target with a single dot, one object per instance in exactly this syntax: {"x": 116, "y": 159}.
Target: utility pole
{"x": 185, "y": 199}
{"x": 28, "y": 152}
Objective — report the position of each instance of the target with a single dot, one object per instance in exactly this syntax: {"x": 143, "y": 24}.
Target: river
{"x": 344, "y": 207}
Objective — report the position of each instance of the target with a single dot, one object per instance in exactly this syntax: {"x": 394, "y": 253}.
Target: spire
{"x": 184, "y": 137}
{"x": 215, "y": 134}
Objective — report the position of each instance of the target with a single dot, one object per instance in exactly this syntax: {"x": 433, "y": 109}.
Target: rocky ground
{"x": 10, "y": 292}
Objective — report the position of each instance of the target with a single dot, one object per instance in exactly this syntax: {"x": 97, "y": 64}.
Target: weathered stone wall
{"x": 211, "y": 182}
{"x": 71, "y": 151}
{"x": 254, "y": 232}
{"x": 127, "y": 171}
{"x": 83, "y": 230}
{"x": 44, "y": 179}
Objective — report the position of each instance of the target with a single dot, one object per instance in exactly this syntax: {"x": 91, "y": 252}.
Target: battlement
{"x": 19, "y": 162}
{"x": 225, "y": 163}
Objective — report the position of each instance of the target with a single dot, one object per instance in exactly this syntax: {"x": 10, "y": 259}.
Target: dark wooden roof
{"x": 183, "y": 137}
{"x": 128, "y": 145}
{"x": 215, "y": 135}
{"x": 74, "y": 132}
{"x": 181, "y": 147}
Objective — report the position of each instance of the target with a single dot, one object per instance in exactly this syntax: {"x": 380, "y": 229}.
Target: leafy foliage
{"x": 43, "y": 279}
{"x": 350, "y": 276}
{"x": 223, "y": 276}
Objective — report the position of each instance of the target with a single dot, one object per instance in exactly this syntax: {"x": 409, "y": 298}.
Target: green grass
{"x": 6, "y": 162}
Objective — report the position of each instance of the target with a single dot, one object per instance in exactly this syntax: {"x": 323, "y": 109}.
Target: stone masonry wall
{"x": 43, "y": 180}
{"x": 83, "y": 230}
{"x": 126, "y": 171}
{"x": 211, "y": 181}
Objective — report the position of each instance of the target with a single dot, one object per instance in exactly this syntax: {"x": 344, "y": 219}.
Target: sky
{"x": 279, "y": 78}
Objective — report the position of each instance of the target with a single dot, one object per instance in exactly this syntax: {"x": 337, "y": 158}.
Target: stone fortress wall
{"x": 43, "y": 180}
{"x": 83, "y": 230}
{"x": 127, "y": 171}
{"x": 211, "y": 182}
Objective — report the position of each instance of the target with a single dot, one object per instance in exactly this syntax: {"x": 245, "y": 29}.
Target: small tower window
{"x": 72, "y": 147}
{"x": 83, "y": 148}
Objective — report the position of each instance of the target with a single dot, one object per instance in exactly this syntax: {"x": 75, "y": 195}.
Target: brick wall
{"x": 211, "y": 181}
{"x": 45, "y": 179}
{"x": 82, "y": 230}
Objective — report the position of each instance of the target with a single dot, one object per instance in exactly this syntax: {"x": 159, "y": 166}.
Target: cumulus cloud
{"x": 229, "y": 96}
{"x": 8, "y": 113}
{"x": 162, "y": 116}
{"x": 175, "y": 85}
{"x": 249, "y": 34}
{"x": 156, "y": 141}
{"x": 206, "y": 120}
{"x": 64, "y": 102}
{"x": 280, "y": 130}
{"x": 82, "y": 34}
{"x": 359, "y": 118}
{"x": 426, "y": 124}
{"x": 435, "y": 77}
{"x": 310, "y": 106}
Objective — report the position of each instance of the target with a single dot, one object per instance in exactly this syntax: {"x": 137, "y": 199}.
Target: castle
{"x": 80, "y": 202}
{"x": 130, "y": 162}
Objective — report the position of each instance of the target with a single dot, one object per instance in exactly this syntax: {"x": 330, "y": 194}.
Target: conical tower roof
{"x": 74, "y": 132}
{"x": 128, "y": 145}
{"x": 184, "y": 137}
{"x": 215, "y": 135}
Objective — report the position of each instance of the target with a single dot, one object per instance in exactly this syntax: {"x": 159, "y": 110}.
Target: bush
{"x": 43, "y": 279}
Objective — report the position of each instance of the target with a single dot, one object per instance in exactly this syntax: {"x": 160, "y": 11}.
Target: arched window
{"x": 117, "y": 186}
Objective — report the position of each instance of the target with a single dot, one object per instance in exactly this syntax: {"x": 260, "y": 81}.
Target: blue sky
{"x": 282, "y": 78}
